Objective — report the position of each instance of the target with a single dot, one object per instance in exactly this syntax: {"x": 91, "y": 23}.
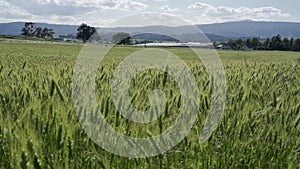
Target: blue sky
{"x": 102, "y": 12}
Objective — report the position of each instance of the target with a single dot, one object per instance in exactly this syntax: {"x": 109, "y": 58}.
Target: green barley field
{"x": 39, "y": 128}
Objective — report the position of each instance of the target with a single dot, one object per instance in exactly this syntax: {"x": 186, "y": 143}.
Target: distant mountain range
{"x": 253, "y": 29}
{"x": 214, "y": 32}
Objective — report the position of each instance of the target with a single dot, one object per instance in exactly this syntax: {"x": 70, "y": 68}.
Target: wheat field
{"x": 39, "y": 128}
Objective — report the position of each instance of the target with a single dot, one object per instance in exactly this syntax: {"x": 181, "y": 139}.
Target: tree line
{"x": 274, "y": 43}
{"x": 84, "y": 32}
{"x": 89, "y": 33}
{"x": 30, "y": 30}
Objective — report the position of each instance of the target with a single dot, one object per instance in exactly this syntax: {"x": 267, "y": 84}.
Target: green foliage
{"x": 43, "y": 33}
{"x": 121, "y": 38}
{"x": 85, "y": 32}
{"x": 11, "y": 37}
{"x": 39, "y": 128}
{"x": 296, "y": 46}
{"x": 29, "y": 30}
{"x": 275, "y": 43}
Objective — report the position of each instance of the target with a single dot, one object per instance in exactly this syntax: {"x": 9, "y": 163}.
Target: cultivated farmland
{"x": 260, "y": 126}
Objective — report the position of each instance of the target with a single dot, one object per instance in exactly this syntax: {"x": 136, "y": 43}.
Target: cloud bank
{"x": 224, "y": 13}
{"x": 102, "y": 12}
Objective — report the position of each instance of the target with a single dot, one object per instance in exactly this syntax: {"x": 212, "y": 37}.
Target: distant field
{"x": 39, "y": 128}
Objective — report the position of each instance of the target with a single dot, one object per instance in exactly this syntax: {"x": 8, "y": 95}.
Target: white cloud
{"x": 123, "y": 5}
{"x": 8, "y": 9}
{"x": 11, "y": 13}
{"x": 96, "y": 13}
{"x": 149, "y": 19}
{"x": 126, "y": 5}
{"x": 43, "y": 2}
{"x": 201, "y": 6}
{"x": 223, "y": 13}
{"x": 166, "y": 8}
{"x": 156, "y": 0}
{"x": 102, "y": 12}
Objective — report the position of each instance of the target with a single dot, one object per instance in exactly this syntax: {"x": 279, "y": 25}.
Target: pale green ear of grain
{"x": 39, "y": 128}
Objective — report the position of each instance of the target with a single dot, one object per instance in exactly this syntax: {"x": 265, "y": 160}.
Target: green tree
{"x": 38, "y": 32}
{"x": 285, "y": 44}
{"x": 235, "y": 44}
{"x": 31, "y": 30}
{"x": 255, "y": 43}
{"x": 85, "y": 32}
{"x": 248, "y": 42}
{"x": 267, "y": 44}
{"x": 276, "y": 42}
{"x": 121, "y": 38}
{"x": 231, "y": 43}
{"x": 296, "y": 45}
{"x": 28, "y": 29}
{"x": 239, "y": 44}
{"x": 47, "y": 33}
{"x": 291, "y": 44}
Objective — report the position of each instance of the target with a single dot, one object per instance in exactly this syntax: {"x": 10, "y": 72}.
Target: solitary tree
{"x": 121, "y": 38}
{"x": 85, "y": 32}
